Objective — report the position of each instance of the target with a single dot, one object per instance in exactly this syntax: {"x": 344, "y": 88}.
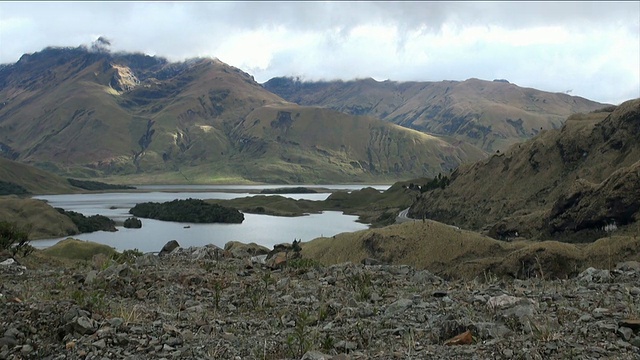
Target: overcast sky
{"x": 590, "y": 49}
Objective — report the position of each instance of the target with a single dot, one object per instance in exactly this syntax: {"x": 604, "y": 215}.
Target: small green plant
{"x": 15, "y": 239}
{"x": 127, "y": 256}
{"x": 328, "y": 342}
{"x": 218, "y": 285}
{"x": 299, "y": 342}
{"x": 93, "y": 301}
{"x": 303, "y": 263}
{"x": 361, "y": 284}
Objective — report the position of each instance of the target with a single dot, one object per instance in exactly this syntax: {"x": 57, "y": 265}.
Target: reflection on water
{"x": 261, "y": 229}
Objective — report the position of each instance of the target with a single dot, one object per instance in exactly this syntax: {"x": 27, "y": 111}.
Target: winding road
{"x": 403, "y": 216}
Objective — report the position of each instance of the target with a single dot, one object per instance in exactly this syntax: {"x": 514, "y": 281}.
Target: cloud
{"x": 590, "y": 47}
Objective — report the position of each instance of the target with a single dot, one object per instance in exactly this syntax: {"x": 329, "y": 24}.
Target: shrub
{"x": 9, "y": 188}
{"x": 14, "y": 239}
{"x": 87, "y": 224}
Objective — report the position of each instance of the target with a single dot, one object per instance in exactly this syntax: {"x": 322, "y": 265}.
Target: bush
{"x": 437, "y": 182}
{"x": 14, "y": 239}
{"x": 133, "y": 223}
{"x": 9, "y": 188}
{"x": 87, "y": 224}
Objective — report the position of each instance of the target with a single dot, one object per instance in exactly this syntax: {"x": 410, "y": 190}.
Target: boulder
{"x": 242, "y": 251}
{"x": 169, "y": 247}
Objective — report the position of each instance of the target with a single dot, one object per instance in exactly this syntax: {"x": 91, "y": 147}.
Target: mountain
{"x": 577, "y": 183}
{"x": 92, "y": 114}
{"x": 489, "y": 114}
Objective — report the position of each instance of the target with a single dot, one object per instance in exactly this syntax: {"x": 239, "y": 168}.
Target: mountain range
{"x": 141, "y": 119}
{"x": 489, "y": 114}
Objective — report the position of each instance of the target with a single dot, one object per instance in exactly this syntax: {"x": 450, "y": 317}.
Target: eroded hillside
{"x": 489, "y": 114}
{"x": 567, "y": 184}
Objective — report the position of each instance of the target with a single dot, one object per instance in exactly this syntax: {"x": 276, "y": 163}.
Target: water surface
{"x": 264, "y": 230}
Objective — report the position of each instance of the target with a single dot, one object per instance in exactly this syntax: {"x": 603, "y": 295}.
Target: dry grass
{"x": 42, "y": 219}
{"x": 78, "y": 250}
{"x": 463, "y": 254}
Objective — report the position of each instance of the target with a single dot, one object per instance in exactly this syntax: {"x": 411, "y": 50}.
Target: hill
{"x": 33, "y": 180}
{"x": 489, "y": 114}
{"x": 139, "y": 118}
{"x": 575, "y": 183}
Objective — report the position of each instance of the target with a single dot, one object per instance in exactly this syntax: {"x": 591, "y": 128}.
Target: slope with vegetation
{"x": 573, "y": 184}
{"x": 140, "y": 118}
{"x": 489, "y": 114}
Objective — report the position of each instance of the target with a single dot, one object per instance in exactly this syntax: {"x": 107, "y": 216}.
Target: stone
{"x": 398, "y": 306}
{"x": 141, "y": 294}
{"x": 628, "y": 266}
{"x": 315, "y": 355}
{"x": 8, "y": 341}
{"x": 100, "y": 344}
{"x": 169, "y": 247}
{"x": 625, "y": 333}
{"x": 13, "y": 333}
{"x": 423, "y": 277}
{"x": 147, "y": 260}
{"x": 592, "y": 275}
{"x": 116, "y": 322}
{"x": 502, "y": 301}
{"x": 84, "y": 325}
{"x": 26, "y": 349}
{"x": 90, "y": 277}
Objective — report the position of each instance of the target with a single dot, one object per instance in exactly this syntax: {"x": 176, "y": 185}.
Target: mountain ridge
{"x": 489, "y": 114}
{"x": 95, "y": 114}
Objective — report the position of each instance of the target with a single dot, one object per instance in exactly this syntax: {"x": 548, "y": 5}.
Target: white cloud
{"x": 590, "y": 47}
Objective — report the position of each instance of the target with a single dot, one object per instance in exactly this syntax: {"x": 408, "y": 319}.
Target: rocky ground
{"x": 197, "y": 303}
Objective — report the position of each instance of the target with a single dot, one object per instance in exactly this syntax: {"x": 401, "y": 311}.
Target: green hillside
{"x": 136, "y": 118}
{"x": 489, "y": 114}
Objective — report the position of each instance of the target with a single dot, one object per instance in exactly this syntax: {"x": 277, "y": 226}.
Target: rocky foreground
{"x": 197, "y": 303}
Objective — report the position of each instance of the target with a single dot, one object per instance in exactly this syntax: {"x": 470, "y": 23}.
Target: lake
{"x": 264, "y": 230}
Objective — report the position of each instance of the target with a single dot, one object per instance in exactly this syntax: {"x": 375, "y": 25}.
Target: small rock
{"x": 508, "y": 353}
{"x": 628, "y": 266}
{"x": 26, "y": 349}
{"x": 90, "y": 277}
{"x": 116, "y": 322}
{"x": 8, "y": 341}
{"x": 315, "y": 355}
{"x": 84, "y": 325}
{"x": 625, "y": 333}
{"x": 398, "y": 306}
{"x": 100, "y": 344}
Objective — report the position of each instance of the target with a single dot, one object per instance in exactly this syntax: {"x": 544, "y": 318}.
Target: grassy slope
{"x": 464, "y": 254}
{"x": 475, "y": 111}
{"x": 33, "y": 179}
{"x": 200, "y": 120}
{"x": 38, "y": 216}
{"x": 518, "y": 188}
